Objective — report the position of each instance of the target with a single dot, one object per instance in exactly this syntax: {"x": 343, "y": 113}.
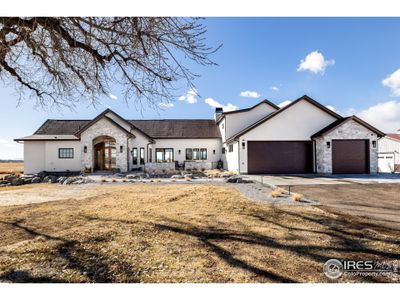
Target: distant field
{"x": 11, "y": 167}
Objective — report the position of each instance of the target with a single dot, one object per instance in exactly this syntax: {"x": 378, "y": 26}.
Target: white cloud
{"x": 190, "y": 97}
{"x": 249, "y": 94}
{"x": 332, "y": 108}
{"x": 284, "y": 103}
{"x": 393, "y": 82}
{"x": 274, "y": 88}
{"x": 215, "y": 103}
{"x": 315, "y": 62}
{"x": 166, "y": 105}
{"x": 384, "y": 116}
{"x": 10, "y": 150}
{"x": 112, "y": 96}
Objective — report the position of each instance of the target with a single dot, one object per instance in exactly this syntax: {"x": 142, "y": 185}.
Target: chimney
{"x": 218, "y": 112}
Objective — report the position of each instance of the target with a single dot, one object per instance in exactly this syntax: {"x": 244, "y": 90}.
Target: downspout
{"x": 127, "y": 153}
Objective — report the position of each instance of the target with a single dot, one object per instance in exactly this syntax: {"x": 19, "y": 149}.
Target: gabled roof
{"x": 277, "y": 112}
{"x": 179, "y": 128}
{"x": 265, "y": 101}
{"x": 340, "y": 122}
{"x": 104, "y": 115}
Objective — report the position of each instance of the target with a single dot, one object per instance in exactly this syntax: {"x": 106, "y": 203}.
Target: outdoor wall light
{"x": 373, "y": 144}
{"x": 243, "y": 145}
{"x": 179, "y": 151}
{"x": 85, "y": 149}
{"x": 121, "y": 149}
{"x": 214, "y": 151}
{"x": 328, "y": 145}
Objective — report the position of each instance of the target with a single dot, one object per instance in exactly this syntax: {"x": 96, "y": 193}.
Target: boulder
{"x": 27, "y": 180}
{"x": 177, "y": 177}
{"x": 17, "y": 181}
{"x": 234, "y": 179}
{"x": 189, "y": 175}
{"x": 69, "y": 180}
{"x": 10, "y": 178}
{"x": 61, "y": 179}
{"x": 36, "y": 180}
{"x": 3, "y": 182}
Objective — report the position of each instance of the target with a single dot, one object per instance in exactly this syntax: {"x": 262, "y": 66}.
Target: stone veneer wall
{"x": 349, "y": 130}
{"x": 199, "y": 165}
{"x": 160, "y": 168}
{"x": 103, "y": 127}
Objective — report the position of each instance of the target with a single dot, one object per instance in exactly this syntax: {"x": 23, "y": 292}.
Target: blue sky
{"x": 347, "y": 63}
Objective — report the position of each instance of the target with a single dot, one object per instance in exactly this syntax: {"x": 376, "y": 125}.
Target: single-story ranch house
{"x": 302, "y": 137}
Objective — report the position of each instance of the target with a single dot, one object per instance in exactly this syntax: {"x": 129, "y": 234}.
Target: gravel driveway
{"x": 376, "y": 203}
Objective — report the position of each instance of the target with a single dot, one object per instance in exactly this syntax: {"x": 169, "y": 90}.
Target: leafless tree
{"x": 63, "y": 61}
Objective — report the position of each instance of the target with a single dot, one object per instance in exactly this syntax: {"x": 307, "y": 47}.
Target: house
{"x": 389, "y": 153}
{"x": 302, "y": 137}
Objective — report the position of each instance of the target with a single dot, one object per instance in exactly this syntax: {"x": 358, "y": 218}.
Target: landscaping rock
{"x": 62, "y": 179}
{"x": 17, "y": 181}
{"x": 36, "y": 180}
{"x": 10, "y": 178}
{"x": 2, "y": 182}
{"x": 69, "y": 180}
{"x": 27, "y": 180}
{"x": 189, "y": 175}
{"x": 177, "y": 177}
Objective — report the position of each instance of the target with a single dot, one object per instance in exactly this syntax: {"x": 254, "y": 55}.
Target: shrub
{"x": 297, "y": 197}
{"x": 278, "y": 192}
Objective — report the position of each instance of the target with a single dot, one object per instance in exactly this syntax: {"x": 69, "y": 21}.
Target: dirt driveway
{"x": 378, "y": 204}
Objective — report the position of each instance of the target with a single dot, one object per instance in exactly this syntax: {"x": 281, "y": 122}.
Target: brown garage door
{"x": 350, "y": 156}
{"x": 283, "y": 157}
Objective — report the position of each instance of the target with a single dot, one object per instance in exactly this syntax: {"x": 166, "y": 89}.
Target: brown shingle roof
{"x": 153, "y": 128}
{"x": 59, "y": 127}
{"x": 395, "y": 136}
{"x": 178, "y": 128}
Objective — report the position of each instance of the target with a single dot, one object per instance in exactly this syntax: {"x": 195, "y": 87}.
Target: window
{"x": 203, "y": 154}
{"x": 189, "y": 154}
{"x": 223, "y": 150}
{"x": 142, "y": 156}
{"x": 196, "y": 153}
{"x": 231, "y": 148}
{"x": 65, "y": 152}
{"x": 164, "y": 155}
{"x": 134, "y": 156}
{"x": 150, "y": 155}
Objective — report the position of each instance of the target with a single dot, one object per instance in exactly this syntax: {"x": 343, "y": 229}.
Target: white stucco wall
{"x": 34, "y": 156}
{"x": 236, "y": 122}
{"x": 387, "y": 145}
{"x": 348, "y": 130}
{"x": 231, "y": 161}
{"x": 297, "y": 123}
{"x": 55, "y": 164}
{"x": 222, "y": 130}
{"x": 43, "y": 156}
{"x": 182, "y": 144}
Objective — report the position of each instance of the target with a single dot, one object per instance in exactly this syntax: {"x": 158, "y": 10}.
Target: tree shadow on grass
{"x": 94, "y": 265}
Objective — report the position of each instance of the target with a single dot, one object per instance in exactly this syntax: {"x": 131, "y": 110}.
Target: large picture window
{"x": 134, "y": 156}
{"x": 142, "y": 156}
{"x": 65, "y": 152}
{"x": 196, "y": 154}
{"x": 164, "y": 155}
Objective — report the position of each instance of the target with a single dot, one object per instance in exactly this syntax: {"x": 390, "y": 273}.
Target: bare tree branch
{"x": 63, "y": 61}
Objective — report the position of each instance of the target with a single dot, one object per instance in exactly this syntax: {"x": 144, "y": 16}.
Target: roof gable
{"x": 340, "y": 122}
{"x": 278, "y": 112}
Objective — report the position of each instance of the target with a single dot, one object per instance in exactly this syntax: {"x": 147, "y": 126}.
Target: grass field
{"x": 11, "y": 167}
{"x": 180, "y": 233}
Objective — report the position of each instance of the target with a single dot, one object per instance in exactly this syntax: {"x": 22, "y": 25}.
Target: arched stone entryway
{"x": 104, "y": 153}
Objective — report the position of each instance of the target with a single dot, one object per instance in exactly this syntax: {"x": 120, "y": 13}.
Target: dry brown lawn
{"x": 180, "y": 233}
{"x": 11, "y": 167}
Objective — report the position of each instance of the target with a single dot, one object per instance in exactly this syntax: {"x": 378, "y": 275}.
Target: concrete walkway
{"x": 313, "y": 179}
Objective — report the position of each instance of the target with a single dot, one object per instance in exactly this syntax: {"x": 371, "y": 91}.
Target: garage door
{"x": 283, "y": 157}
{"x": 350, "y": 156}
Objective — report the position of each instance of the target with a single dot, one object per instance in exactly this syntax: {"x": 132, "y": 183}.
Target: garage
{"x": 280, "y": 157}
{"x": 350, "y": 156}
